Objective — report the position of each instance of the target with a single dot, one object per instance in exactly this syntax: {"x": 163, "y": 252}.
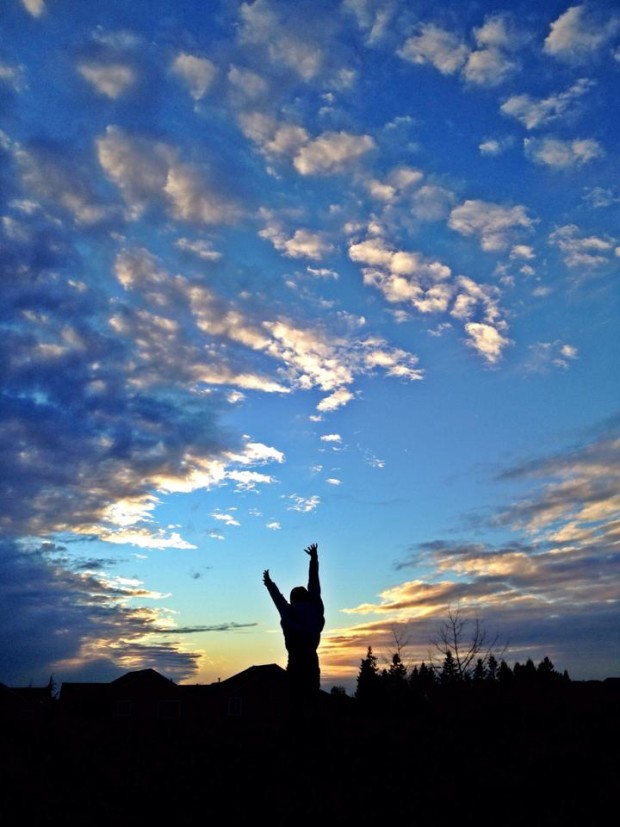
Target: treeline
{"x": 397, "y": 687}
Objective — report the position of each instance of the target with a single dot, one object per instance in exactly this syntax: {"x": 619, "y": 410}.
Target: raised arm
{"x": 276, "y": 595}
{"x": 314, "y": 585}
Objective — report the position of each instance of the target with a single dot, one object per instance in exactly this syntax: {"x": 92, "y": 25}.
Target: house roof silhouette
{"x": 257, "y": 691}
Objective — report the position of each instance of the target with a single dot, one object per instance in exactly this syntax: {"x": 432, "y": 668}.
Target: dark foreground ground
{"x": 508, "y": 762}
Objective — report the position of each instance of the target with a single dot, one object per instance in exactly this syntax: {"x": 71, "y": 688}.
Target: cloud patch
{"x": 536, "y": 112}
{"x": 493, "y": 224}
{"x": 580, "y": 33}
{"x": 558, "y": 153}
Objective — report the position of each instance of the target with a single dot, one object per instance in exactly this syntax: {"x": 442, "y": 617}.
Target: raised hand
{"x": 312, "y": 550}
{"x": 266, "y": 577}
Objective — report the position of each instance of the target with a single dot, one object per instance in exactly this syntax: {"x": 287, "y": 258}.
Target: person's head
{"x": 299, "y": 594}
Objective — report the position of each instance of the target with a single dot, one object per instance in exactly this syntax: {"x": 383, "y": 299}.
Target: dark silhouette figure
{"x": 302, "y": 622}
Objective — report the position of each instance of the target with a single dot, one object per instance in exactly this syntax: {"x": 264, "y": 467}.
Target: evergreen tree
{"x": 397, "y": 671}
{"x": 368, "y": 681}
{"x": 546, "y": 671}
{"x": 504, "y": 675}
{"x": 426, "y": 680}
{"x": 480, "y": 673}
{"x": 395, "y": 682}
{"x": 449, "y": 670}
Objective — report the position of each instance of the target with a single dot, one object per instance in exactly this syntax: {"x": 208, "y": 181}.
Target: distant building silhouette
{"x": 259, "y": 693}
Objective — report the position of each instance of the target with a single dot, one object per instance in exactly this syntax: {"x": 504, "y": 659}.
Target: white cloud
{"x": 162, "y": 344}
{"x": 599, "y": 197}
{"x": 569, "y": 351}
{"x": 192, "y": 198}
{"x": 200, "y": 472}
{"x": 257, "y": 453}
{"x": 392, "y": 361}
{"x": 522, "y": 251}
{"x": 322, "y": 272}
{"x": 309, "y": 357}
{"x": 35, "y": 7}
{"x": 203, "y": 249}
{"x": 488, "y": 67}
{"x": 493, "y": 146}
{"x": 274, "y": 525}
{"x": 372, "y": 17}
{"x": 225, "y": 517}
{"x": 335, "y": 400}
{"x": 302, "y": 244}
{"x": 197, "y": 72}
{"x": 306, "y": 357}
{"x": 249, "y": 84}
{"x": 492, "y": 62}
{"x": 431, "y": 203}
{"x": 496, "y": 33}
{"x": 471, "y": 297}
{"x": 431, "y": 288}
{"x": 403, "y": 276}
{"x": 13, "y": 76}
{"x": 130, "y": 510}
{"x": 561, "y": 154}
{"x": 147, "y": 170}
{"x": 487, "y": 340}
{"x": 331, "y": 438}
{"x": 582, "y": 251}
{"x": 146, "y": 538}
{"x": 399, "y": 181}
{"x": 137, "y": 166}
{"x": 303, "y": 504}
{"x": 275, "y": 139}
{"x": 493, "y": 224}
{"x": 109, "y": 79}
{"x": 62, "y": 181}
{"x": 437, "y": 46}
{"x": 248, "y": 480}
{"x": 234, "y": 397}
{"x": 535, "y": 112}
{"x": 544, "y": 355}
{"x": 579, "y": 33}
{"x": 286, "y": 140}
{"x": 261, "y": 25}
{"x": 333, "y": 481}
{"x": 332, "y": 153}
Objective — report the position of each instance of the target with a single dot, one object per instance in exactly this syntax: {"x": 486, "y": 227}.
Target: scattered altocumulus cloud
{"x": 579, "y": 250}
{"x": 494, "y": 224}
{"x": 544, "y": 355}
{"x": 35, "y": 7}
{"x": 580, "y": 33}
{"x": 198, "y": 73}
{"x": 488, "y": 61}
{"x": 536, "y": 112}
{"x": 563, "y": 154}
{"x": 109, "y": 79}
{"x": 303, "y": 504}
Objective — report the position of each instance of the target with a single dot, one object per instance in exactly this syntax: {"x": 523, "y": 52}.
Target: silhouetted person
{"x": 302, "y": 622}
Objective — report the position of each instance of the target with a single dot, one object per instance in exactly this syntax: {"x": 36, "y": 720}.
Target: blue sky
{"x": 277, "y": 273}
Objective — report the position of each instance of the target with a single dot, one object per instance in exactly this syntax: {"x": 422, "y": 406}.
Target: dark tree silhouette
{"x": 368, "y": 689}
{"x": 460, "y": 651}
